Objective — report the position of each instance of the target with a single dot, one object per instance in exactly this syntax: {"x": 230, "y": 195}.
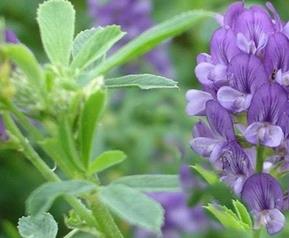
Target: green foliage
{"x": 227, "y": 217}
{"x": 152, "y": 37}
{"x": 143, "y": 81}
{"x": 242, "y": 212}
{"x": 56, "y": 22}
{"x": 26, "y": 61}
{"x": 90, "y": 115}
{"x": 208, "y": 175}
{"x": 41, "y": 199}
{"x": 106, "y": 160}
{"x": 133, "y": 206}
{"x": 43, "y": 226}
{"x": 94, "y": 44}
{"x": 151, "y": 183}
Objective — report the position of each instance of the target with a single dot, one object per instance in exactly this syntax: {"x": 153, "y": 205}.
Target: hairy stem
{"x": 106, "y": 222}
{"x": 46, "y": 172}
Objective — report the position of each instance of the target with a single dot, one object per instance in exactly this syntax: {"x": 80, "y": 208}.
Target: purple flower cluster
{"x": 244, "y": 96}
{"x": 179, "y": 217}
{"x": 134, "y": 16}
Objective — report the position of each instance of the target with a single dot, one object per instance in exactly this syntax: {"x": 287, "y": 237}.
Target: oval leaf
{"x": 43, "y": 226}
{"x": 90, "y": 115}
{"x": 56, "y": 22}
{"x": 151, "y": 183}
{"x": 143, "y": 81}
{"x": 133, "y": 206}
{"x": 43, "y": 197}
{"x": 96, "y": 45}
{"x": 106, "y": 160}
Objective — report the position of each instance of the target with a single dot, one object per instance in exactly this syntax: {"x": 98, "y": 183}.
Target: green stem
{"x": 106, "y": 222}
{"x": 46, "y": 172}
{"x": 24, "y": 121}
{"x": 260, "y": 159}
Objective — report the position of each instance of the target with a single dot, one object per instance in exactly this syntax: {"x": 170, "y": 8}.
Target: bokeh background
{"x": 151, "y": 127}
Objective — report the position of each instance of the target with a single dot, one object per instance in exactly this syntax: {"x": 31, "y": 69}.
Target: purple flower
{"x": 244, "y": 98}
{"x": 263, "y": 196}
{"x": 10, "y": 37}
{"x": 136, "y": 22}
{"x": 180, "y": 219}
{"x": 266, "y": 116}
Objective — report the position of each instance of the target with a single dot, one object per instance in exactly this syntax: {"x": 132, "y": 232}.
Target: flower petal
{"x": 223, "y": 46}
{"x": 267, "y": 104}
{"x": 276, "y": 53}
{"x": 275, "y": 221}
{"x": 233, "y": 100}
{"x": 262, "y": 192}
{"x": 220, "y": 120}
{"x": 232, "y": 14}
{"x": 203, "y": 73}
{"x": 265, "y": 134}
{"x": 247, "y": 73}
{"x": 200, "y": 129}
{"x": 197, "y": 100}
{"x": 203, "y": 146}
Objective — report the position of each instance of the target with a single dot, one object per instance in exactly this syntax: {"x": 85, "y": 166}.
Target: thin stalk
{"x": 106, "y": 222}
{"x": 24, "y": 121}
{"x": 260, "y": 159}
{"x": 46, "y": 172}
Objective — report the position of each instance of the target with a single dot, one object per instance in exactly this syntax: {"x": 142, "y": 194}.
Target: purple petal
{"x": 265, "y": 134}
{"x": 272, "y": 219}
{"x": 233, "y": 100}
{"x": 3, "y": 134}
{"x": 247, "y": 73}
{"x": 267, "y": 104}
{"x": 277, "y": 20}
{"x": 286, "y": 30}
{"x": 204, "y": 58}
{"x": 220, "y": 120}
{"x": 187, "y": 179}
{"x": 223, "y": 46}
{"x": 254, "y": 23}
{"x": 262, "y": 192}
{"x": 276, "y": 53}
{"x": 232, "y": 14}
{"x": 236, "y": 166}
{"x": 197, "y": 102}
{"x": 200, "y": 129}
{"x": 204, "y": 146}
{"x": 10, "y": 37}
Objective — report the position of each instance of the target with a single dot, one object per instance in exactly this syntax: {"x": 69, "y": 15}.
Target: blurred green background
{"x": 150, "y": 127}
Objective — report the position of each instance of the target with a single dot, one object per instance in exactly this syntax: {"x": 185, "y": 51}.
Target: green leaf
{"x": 151, "y": 183}
{"x": 209, "y": 176}
{"x": 81, "y": 38}
{"x": 151, "y": 38}
{"x": 68, "y": 144}
{"x": 133, "y": 206}
{"x": 56, "y": 21}
{"x": 242, "y": 212}
{"x": 227, "y": 217}
{"x": 143, "y": 81}
{"x": 26, "y": 61}
{"x": 106, "y": 160}
{"x": 43, "y": 226}
{"x": 96, "y": 45}
{"x": 90, "y": 115}
{"x": 43, "y": 197}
